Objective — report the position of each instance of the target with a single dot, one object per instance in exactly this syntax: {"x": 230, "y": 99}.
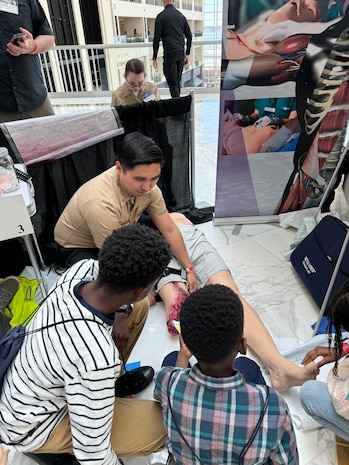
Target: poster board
{"x": 17, "y": 223}
{"x": 283, "y": 90}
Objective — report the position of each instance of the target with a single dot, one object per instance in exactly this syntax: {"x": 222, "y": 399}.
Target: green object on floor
{"x": 23, "y": 304}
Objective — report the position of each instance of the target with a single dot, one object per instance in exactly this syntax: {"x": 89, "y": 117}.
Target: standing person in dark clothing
{"x": 22, "y": 90}
{"x": 171, "y": 27}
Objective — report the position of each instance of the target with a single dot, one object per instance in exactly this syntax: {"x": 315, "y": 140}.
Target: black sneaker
{"x": 134, "y": 381}
{"x": 8, "y": 288}
{"x": 53, "y": 459}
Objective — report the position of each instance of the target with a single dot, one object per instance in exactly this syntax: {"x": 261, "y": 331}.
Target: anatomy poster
{"x": 284, "y": 104}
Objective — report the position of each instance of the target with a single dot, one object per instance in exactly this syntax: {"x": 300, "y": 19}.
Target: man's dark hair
{"x": 138, "y": 149}
{"x": 132, "y": 257}
{"x": 134, "y": 66}
{"x": 212, "y": 322}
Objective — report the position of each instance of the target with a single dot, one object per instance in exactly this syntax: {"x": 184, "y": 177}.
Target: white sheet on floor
{"x": 295, "y": 351}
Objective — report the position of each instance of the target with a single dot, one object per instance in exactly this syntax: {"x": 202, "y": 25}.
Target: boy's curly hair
{"x": 212, "y": 322}
{"x": 338, "y": 317}
{"x": 132, "y": 257}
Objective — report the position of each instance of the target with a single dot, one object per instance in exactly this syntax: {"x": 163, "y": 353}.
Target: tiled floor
{"x": 266, "y": 279}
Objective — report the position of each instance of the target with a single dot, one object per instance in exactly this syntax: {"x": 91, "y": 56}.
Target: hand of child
{"x": 3, "y": 455}
{"x": 327, "y": 354}
{"x": 183, "y": 348}
{"x": 184, "y": 354}
{"x": 120, "y": 331}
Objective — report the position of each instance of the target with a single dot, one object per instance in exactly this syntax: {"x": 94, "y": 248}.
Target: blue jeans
{"x": 317, "y": 402}
{"x": 247, "y": 367}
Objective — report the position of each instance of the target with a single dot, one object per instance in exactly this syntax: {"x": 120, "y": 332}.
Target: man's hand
{"x": 155, "y": 64}
{"x": 186, "y": 60}
{"x": 23, "y": 47}
{"x": 327, "y": 354}
{"x": 172, "y": 235}
{"x": 120, "y": 331}
{"x": 192, "y": 282}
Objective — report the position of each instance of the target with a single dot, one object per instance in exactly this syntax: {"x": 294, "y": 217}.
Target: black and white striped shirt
{"x": 69, "y": 367}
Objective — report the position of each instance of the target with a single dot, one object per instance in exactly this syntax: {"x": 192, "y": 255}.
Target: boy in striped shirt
{"x": 59, "y": 393}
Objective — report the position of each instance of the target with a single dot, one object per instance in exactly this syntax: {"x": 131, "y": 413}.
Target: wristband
{"x": 345, "y": 347}
{"x": 35, "y": 51}
{"x": 190, "y": 269}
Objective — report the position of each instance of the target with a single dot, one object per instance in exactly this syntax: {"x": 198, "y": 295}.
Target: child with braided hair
{"x": 328, "y": 403}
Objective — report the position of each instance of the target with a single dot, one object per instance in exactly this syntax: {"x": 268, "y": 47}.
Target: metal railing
{"x": 75, "y": 69}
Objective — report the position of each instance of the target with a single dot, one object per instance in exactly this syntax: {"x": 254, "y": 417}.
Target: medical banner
{"x": 283, "y": 105}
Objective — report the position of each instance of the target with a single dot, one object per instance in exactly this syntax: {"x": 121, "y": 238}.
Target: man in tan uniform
{"x": 117, "y": 197}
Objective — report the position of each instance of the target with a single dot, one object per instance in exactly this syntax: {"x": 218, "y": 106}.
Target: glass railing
{"x": 154, "y": 2}
{"x": 76, "y": 69}
{"x": 133, "y": 40}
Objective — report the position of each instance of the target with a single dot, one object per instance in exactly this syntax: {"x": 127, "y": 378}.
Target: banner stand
{"x": 268, "y": 160}
{"x": 246, "y": 220}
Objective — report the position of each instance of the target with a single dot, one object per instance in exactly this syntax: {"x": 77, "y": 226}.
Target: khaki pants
{"x": 43, "y": 110}
{"x": 137, "y": 427}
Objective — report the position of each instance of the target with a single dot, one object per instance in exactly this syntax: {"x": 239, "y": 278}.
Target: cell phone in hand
{"x": 17, "y": 37}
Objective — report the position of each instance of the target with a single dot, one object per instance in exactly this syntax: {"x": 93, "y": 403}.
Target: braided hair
{"x": 338, "y": 317}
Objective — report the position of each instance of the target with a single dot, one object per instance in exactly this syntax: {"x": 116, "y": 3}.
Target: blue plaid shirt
{"x": 217, "y": 417}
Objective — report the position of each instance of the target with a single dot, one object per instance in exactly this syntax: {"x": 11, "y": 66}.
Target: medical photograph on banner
{"x": 259, "y": 126}
{"x": 282, "y": 124}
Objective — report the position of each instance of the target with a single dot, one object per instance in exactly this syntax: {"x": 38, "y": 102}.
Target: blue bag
{"x": 11, "y": 343}
{"x": 315, "y": 258}
{"x": 9, "y": 348}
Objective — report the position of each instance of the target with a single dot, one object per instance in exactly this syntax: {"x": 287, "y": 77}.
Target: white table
{"x": 16, "y": 208}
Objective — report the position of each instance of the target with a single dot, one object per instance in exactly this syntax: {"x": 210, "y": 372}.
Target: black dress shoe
{"x": 134, "y": 381}
{"x": 53, "y": 459}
